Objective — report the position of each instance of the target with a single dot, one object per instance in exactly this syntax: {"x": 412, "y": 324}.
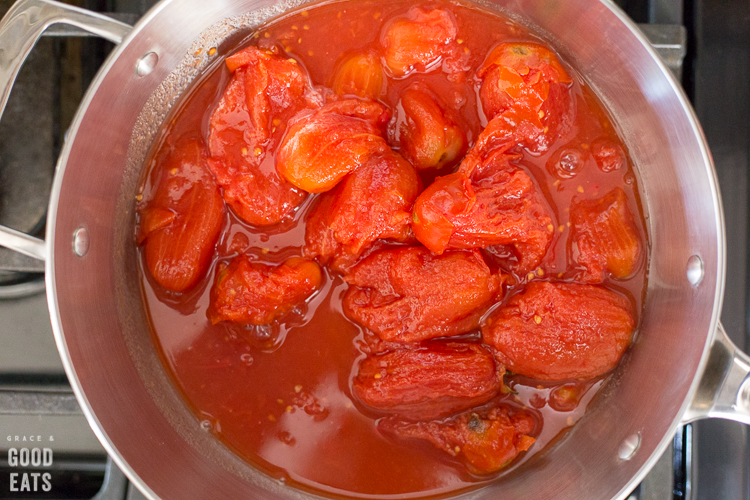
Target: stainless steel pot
{"x": 681, "y": 367}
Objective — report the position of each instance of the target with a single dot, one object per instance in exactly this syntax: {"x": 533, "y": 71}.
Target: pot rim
{"x": 707, "y": 161}
{"x": 49, "y": 266}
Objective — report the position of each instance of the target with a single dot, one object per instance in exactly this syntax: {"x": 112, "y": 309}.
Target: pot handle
{"x": 724, "y": 388}
{"x": 20, "y": 29}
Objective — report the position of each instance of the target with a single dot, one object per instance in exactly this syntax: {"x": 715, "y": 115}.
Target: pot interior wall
{"x": 103, "y": 331}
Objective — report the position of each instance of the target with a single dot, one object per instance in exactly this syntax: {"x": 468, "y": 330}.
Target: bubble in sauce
{"x": 287, "y": 438}
{"x": 566, "y": 162}
{"x": 268, "y": 338}
{"x": 247, "y": 359}
{"x": 261, "y": 333}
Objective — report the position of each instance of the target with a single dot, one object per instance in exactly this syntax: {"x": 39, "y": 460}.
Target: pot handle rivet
{"x": 695, "y": 270}
{"x": 146, "y": 63}
{"x": 629, "y": 446}
{"x": 81, "y": 241}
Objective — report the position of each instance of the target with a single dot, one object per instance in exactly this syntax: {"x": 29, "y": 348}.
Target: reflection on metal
{"x": 724, "y": 390}
{"x": 64, "y": 30}
{"x": 81, "y": 241}
{"x": 146, "y": 64}
{"x": 630, "y": 446}
{"x": 23, "y": 243}
{"x": 695, "y": 270}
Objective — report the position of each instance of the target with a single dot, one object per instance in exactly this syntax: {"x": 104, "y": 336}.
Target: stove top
{"x": 706, "y": 44}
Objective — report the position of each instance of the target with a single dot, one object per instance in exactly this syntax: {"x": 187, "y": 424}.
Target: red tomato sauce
{"x": 280, "y": 395}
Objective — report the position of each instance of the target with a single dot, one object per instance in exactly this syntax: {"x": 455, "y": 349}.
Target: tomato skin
{"x": 322, "y": 147}
{"x": 275, "y": 85}
{"x": 527, "y": 79}
{"x": 505, "y": 209}
{"x": 487, "y": 440}
{"x": 489, "y": 201}
{"x": 508, "y": 131}
{"x": 420, "y": 41}
{"x": 520, "y": 75}
{"x": 266, "y": 89}
{"x": 437, "y": 207}
{"x": 262, "y": 200}
{"x": 434, "y": 380}
{"x": 559, "y": 331}
{"x": 605, "y": 237}
{"x": 181, "y": 223}
{"x": 429, "y": 138}
{"x": 373, "y": 202}
{"x": 410, "y": 294}
{"x": 253, "y": 293}
{"x": 359, "y": 73}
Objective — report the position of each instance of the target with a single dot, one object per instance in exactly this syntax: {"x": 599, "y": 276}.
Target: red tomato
{"x": 275, "y": 85}
{"x": 320, "y": 148}
{"x": 489, "y": 201}
{"x": 488, "y": 440}
{"x": 254, "y": 293}
{"x": 528, "y": 79}
{"x": 509, "y": 130}
{"x": 420, "y": 41}
{"x": 556, "y": 331}
{"x": 608, "y": 154}
{"x": 181, "y": 223}
{"x": 266, "y": 89}
{"x": 410, "y": 294}
{"x": 359, "y": 73}
{"x": 373, "y": 202}
{"x": 605, "y": 237}
{"x": 429, "y": 139}
{"x": 430, "y": 381}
